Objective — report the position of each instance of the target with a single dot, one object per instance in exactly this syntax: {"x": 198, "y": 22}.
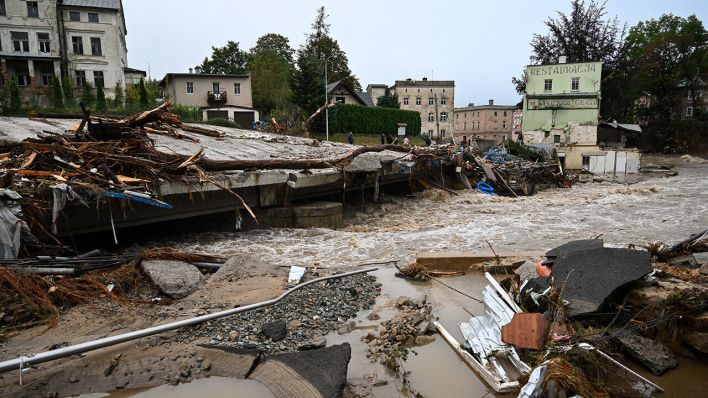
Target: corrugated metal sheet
{"x": 109, "y": 4}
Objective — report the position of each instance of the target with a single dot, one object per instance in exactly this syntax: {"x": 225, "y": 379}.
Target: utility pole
{"x": 326, "y": 103}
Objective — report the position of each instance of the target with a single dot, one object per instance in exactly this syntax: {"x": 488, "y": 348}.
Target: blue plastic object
{"x": 485, "y": 188}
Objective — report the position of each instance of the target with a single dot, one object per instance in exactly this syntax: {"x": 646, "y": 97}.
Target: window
{"x": 405, "y": 100}
{"x": 215, "y": 88}
{"x": 431, "y": 117}
{"x": 504, "y": 124}
{"x": 443, "y": 116}
{"x": 32, "y": 9}
{"x": 78, "y": 43}
{"x": 477, "y": 125}
{"x": 465, "y": 126}
{"x": 190, "y": 87}
{"x": 2, "y": 8}
{"x": 98, "y": 78}
{"x": 504, "y": 113}
{"x": 548, "y": 85}
{"x": 503, "y": 137}
{"x": 495, "y": 113}
{"x": 339, "y": 100}
{"x": 74, "y": 16}
{"x": 96, "y": 46}
{"x": 418, "y": 100}
{"x": 23, "y": 79}
{"x": 93, "y": 17}
{"x": 430, "y": 133}
{"x": 477, "y": 114}
{"x": 556, "y": 138}
{"x": 443, "y": 100}
{"x": 442, "y": 133}
{"x": 80, "y": 78}
{"x": 431, "y": 101}
{"x": 20, "y": 42}
{"x": 575, "y": 84}
{"x": 689, "y": 111}
{"x": 44, "y": 44}
{"x": 237, "y": 90}
{"x": 691, "y": 95}
{"x": 47, "y": 78}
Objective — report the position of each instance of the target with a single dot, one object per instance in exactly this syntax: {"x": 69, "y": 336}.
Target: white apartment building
{"x": 83, "y": 40}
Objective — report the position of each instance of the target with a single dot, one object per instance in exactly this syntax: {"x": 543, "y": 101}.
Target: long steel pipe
{"x": 33, "y": 359}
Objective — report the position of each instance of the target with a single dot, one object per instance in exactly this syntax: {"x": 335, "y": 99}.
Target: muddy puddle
{"x": 213, "y": 387}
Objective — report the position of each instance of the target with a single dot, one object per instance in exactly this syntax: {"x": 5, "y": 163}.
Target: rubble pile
{"x": 412, "y": 326}
{"x": 300, "y": 322}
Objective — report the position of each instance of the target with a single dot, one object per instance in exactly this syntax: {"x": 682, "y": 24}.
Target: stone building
{"x": 217, "y": 96}
{"x": 562, "y": 109}
{"x": 488, "y": 122}
{"x": 376, "y": 90}
{"x": 434, "y": 100}
{"x": 83, "y": 40}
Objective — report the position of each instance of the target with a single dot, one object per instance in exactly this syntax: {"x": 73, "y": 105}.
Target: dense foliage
{"x": 344, "y": 118}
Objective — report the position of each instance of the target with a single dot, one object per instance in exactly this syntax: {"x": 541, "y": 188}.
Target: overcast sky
{"x": 480, "y": 45}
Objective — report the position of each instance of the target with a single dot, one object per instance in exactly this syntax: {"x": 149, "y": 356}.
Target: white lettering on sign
{"x": 562, "y": 103}
{"x": 549, "y": 70}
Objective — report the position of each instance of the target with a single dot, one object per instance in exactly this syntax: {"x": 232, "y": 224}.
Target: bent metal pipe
{"x": 34, "y": 359}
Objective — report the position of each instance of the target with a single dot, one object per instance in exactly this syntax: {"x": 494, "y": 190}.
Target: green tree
{"x": 57, "y": 96}
{"x": 15, "y": 101}
{"x": 132, "y": 97}
{"x": 582, "y": 35}
{"x": 388, "y": 101}
{"x": 69, "y": 98}
{"x": 269, "y": 81}
{"x": 143, "y": 94}
{"x": 100, "y": 98}
{"x": 308, "y": 77}
{"x": 118, "y": 97}
{"x": 229, "y": 59}
{"x": 87, "y": 95}
{"x": 274, "y": 43}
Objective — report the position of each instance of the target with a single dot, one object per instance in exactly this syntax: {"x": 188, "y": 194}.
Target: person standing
{"x": 383, "y": 138}
{"x": 406, "y": 141}
{"x": 350, "y": 138}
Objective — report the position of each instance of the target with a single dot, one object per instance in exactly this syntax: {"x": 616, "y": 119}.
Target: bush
{"x": 57, "y": 96}
{"x": 368, "y": 120}
{"x": 187, "y": 113}
{"x": 87, "y": 96}
{"x": 69, "y": 99}
{"x": 143, "y": 94}
{"x": 15, "y": 101}
{"x": 100, "y": 98}
{"x": 118, "y": 97}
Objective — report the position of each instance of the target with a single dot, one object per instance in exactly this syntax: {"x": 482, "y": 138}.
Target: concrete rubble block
{"x": 240, "y": 265}
{"x": 653, "y": 355}
{"x": 175, "y": 279}
{"x": 527, "y": 270}
{"x": 314, "y": 373}
{"x": 590, "y": 277}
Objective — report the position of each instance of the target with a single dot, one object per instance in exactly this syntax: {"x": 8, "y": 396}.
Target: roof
{"x": 108, "y": 4}
{"x": 366, "y": 97}
{"x": 362, "y": 97}
{"x": 377, "y": 86}
{"x": 622, "y": 126}
{"x": 481, "y": 107}
{"x": 425, "y": 83}
{"x": 133, "y": 70}
{"x": 170, "y": 75}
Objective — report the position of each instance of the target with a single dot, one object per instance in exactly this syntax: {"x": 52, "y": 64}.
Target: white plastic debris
{"x": 296, "y": 274}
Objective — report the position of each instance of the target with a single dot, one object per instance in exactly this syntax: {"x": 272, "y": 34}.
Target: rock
{"x": 346, "y": 327}
{"x": 699, "y": 323}
{"x": 697, "y": 340}
{"x": 275, "y": 330}
{"x": 409, "y": 341}
{"x": 422, "y": 328}
{"x": 294, "y": 324}
{"x": 653, "y": 355}
{"x": 379, "y": 383}
{"x": 404, "y": 301}
{"x": 527, "y": 270}
{"x": 313, "y": 344}
{"x": 74, "y": 379}
{"x": 373, "y": 316}
{"x": 688, "y": 261}
{"x": 423, "y": 340}
{"x": 175, "y": 279}
{"x": 420, "y": 301}
{"x": 233, "y": 335}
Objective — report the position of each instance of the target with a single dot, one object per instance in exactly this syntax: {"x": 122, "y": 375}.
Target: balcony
{"x": 216, "y": 97}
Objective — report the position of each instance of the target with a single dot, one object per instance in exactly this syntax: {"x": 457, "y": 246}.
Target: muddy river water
{"x": 656, "y": 208}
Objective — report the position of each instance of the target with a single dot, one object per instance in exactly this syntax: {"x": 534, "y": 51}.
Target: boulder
{"x": 697, "y": 340}
{"x": 175, "y": 279}
{"x": 275, "y": 330}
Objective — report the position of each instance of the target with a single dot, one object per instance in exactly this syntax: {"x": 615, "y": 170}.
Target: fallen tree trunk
{"x": 202, "y": 130}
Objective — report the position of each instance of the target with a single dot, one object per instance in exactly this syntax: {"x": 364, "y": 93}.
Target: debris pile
{"x": 412, "y": 326}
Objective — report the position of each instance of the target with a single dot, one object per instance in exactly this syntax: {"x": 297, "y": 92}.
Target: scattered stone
{"x": 379, "y": 383}
{"x": 233, "y": 335}
{"x": 697, "y": 340}
{"x": 175, "y": 279}
{"x": 74, "y": 379}
{"x": 404, "y": 301}
{"x": 275, "y": 330}
{"x": 373, "y": 316}
{"x": 423, "y": 340}
{"x": 313, "y": 344}
{"x": 346, "y": 327}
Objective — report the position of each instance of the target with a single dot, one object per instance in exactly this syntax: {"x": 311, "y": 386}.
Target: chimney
{"x": 562, "y": 59}
{"x": 491, "y": 102}
{"x": 409, "y": 79}
{"x": 198, "y": 69}
{"x": 191, "y": 71}
{"x": 425, "y": 79}
{"x": 471, "y": 104}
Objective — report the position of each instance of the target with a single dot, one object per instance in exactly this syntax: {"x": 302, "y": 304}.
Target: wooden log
{"x": 171, "y": 133}
{"x": 147, "y": 116}
{"x": 202, "y": 130}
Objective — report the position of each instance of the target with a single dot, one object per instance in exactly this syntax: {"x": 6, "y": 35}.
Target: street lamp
{"x": 326, "y": 103}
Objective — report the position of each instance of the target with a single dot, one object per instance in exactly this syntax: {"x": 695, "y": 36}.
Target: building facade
{"x": 434, "y": 100}
{"x": 82, "y": 40}
{"x": 341, "y": 92}
{"x": 218, "y": 96}
{"x": 489, "y": 122}
{"x": 375, "y": 91}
